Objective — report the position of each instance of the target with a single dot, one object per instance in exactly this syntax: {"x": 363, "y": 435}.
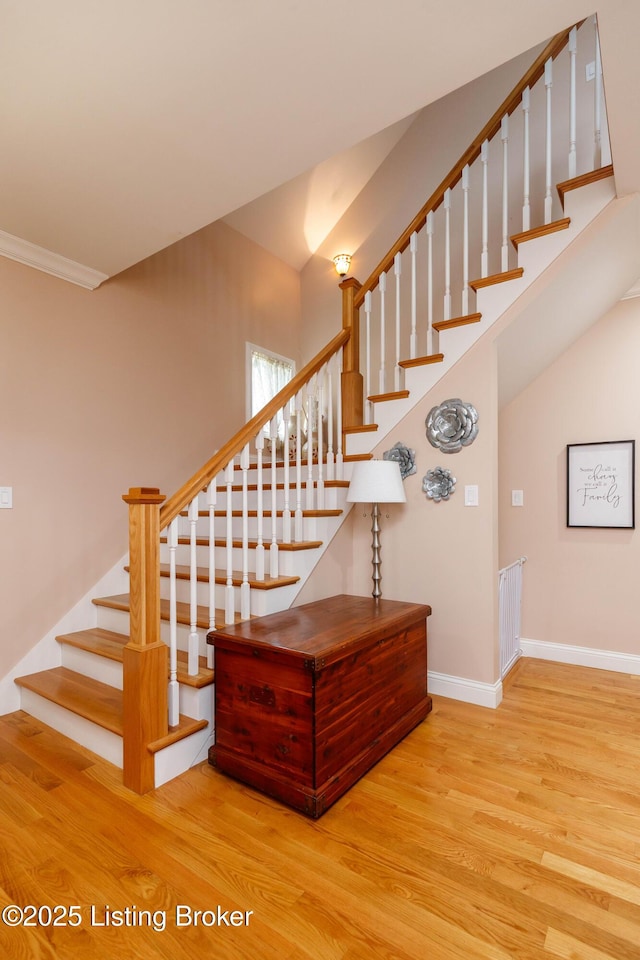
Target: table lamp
{"x": 376, "y": 482}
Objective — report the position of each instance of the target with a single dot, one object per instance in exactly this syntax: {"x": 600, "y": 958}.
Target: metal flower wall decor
{"x": 452, "y": 425}
{"x": 438, "y": 484}
{"x": 404, "y": 457}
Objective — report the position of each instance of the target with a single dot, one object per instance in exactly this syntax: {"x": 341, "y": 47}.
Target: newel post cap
{"x": 143, "y": 495}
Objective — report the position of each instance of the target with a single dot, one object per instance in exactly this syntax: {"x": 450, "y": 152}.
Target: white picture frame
{"x": 601, "y": 484}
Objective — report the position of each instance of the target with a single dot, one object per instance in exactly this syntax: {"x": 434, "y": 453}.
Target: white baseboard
{"x": 469, "y": 691}
{"x": 581, "y": 656}
{"x": 46, "y": 653}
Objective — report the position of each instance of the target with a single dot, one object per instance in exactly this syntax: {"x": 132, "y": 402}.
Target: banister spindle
{"x": 193, "y": 646}
{"x": 229, "y": 600}
{"x": 447, "y": 254}
{"x": 367, "y": 320}
{"x": 174, "y": 688}
{"x": 273, "y": 549}
{"x": 597, "y": 105}
{"x": 484, "y": 256}
{"x": 413, "y": 339}
{"x": 526, "y": 160}
{"x": 212, "y": 496}
{"x": 573, "y": 49}
{"x": 245, "y": 590}
{"x": 382, "y": 284}
{"x": 504, "y": 137}
{"x": 260, "y": 551}
{"x": 548, "y": 197}
{"x": 430, "y": 331}
{"x": 297, "y": 524}
{"x": 339, "y": 454}
{"x": 311, "y": 429}
{"x": 320, "y": 480}
{"x": 331, "y": 468}
{"x": 286, "y": 505}
{"x": 397, "y": 271}
{"x": 465, "y": 240}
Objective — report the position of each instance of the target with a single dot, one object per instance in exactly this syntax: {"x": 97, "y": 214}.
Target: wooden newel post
{"x": 352, "y": 386}
{"x": 145, "y": 662}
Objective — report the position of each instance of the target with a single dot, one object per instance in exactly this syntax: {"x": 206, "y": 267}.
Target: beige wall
{"x": 580, "y": 585}
{"x": 119, "y": 387}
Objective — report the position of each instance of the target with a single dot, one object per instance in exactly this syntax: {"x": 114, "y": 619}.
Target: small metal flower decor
{"x": 404, "y": 457}
{"x": 452, "y": 425}
{"x": 438, "y": 484}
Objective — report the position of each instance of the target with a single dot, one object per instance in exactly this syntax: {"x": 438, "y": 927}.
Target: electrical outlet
{"x": 471, "y": 495}
{"x": 6, "y": 498}
{"x": 517, "y": 498}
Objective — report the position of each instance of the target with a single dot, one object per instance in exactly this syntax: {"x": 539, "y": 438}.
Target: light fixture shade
{"x": 376, "y": 481}
{"x": 342, "y": 262}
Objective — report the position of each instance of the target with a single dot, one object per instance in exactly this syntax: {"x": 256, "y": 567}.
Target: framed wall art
{"x": 600, "y": 484}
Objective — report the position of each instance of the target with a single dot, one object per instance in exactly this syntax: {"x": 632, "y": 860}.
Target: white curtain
{"x": 269, "y": 375}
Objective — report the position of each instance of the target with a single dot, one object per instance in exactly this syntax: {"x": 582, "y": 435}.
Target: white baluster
{"x": 311, "y": 429}
{"x": 260, "y": 551}
{"x": 413, "y": 339}
{"x": 548, "y": 198}
{"x": 430, "y": 344}
{"x": 331, "y": 466}
{"x": 174, "y": 688}
{"x": 382, "y": 283}
{"x": 320, "y": 481}
{"x": 447, "y": 254}
{"x": 504, "y": 136}
{"x": 526, "y": 160}
{"x": 397, "y": 270}
{"x": 245, "y": 590}
{"x": 212, "y": 495}
{"x": 465, "y": 240}
{"x": 286, "y": 506}
{"x": 484, "y": 257}
{"x": 229, "y": 600}
{"x": 339, "y": 456}
{"x": 273, "y": 550}
{"x": 573, "y": 48}
{"x": 367, "y": 317}
{"x": 298, "y": 525}
{"x": 597, "y": 106}
{"x": 194, "y": 642}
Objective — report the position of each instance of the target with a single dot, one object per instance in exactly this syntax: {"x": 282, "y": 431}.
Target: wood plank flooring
{"x": 485, "y": 835}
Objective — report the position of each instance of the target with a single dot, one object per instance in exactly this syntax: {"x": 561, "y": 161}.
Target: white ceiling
{"x": 130, "y": 124}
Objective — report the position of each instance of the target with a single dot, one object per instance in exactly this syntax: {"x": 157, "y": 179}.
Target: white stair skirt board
{"x": 103, "y": 742}
{"x": 581, "y": 656}
{"x": 47, "y": 653}
{"x": 469, "y": 691}
{"x": 180, "y": 756}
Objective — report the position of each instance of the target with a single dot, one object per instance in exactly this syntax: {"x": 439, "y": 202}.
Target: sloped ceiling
{"x": 128, "y": 125}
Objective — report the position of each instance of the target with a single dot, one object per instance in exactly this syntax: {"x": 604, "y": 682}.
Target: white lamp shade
{"x": 376, "y": 481}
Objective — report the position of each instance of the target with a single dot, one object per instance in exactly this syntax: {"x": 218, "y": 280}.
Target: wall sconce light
{"x": 342, "y": 262}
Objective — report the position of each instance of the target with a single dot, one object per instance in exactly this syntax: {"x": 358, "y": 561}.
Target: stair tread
{"x": 394, "y": 395}
{"x": 602, "y": 173}
{"x": 268, "y": 513}
{"x": 252, "y": 544}
{"x": 420, "y": 361}
{"x": 84, "y": 696}
{"x": 554, "y": 227}
{"x": 269, "y": 583}
{"x": 502, "y": 277}
{"x": 457, "y": 321}
{"x": 110, "y": 645}
{"x": 361, "y": 428}
{"x": 121, "y": 601}
{"x": 252, "y": 487}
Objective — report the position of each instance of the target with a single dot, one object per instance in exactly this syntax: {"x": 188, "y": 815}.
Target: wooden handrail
{"x": 533, "y": 74}
{"x": 219, "y": 460}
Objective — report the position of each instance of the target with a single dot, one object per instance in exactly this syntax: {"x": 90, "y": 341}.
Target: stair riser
{"x": 106, "y": 744}
{"x": 90, "y": 665}
{"x": 288, "y": 560}
{"x": 197, "y": 703}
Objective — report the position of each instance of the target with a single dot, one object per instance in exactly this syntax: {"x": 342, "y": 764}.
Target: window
{"x": 267, "y": 374}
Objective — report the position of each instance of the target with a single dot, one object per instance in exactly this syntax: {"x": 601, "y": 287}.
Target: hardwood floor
{"x": 512, "y": 833}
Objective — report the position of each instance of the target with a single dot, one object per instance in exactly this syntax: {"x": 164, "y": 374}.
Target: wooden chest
{"x": 307, "y": 700}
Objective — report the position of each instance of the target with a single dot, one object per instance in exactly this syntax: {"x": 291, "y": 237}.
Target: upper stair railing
{"x": 294, "y": 445}
{"x": 549, "y": 129}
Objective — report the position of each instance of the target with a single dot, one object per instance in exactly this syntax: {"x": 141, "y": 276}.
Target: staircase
{"x": 243, "y": 535}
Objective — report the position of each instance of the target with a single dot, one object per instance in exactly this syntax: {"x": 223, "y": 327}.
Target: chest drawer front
{"x": 361, "y": 697}
{"x": 264, "y": 712}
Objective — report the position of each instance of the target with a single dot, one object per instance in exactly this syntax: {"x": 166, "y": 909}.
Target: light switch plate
{"x": 517, "y": 498}
{"x": 471, "y": 495}
{"x": 6, "y": 498}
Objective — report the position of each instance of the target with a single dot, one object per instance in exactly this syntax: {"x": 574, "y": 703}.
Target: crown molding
{"x": 48, "y": 262}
